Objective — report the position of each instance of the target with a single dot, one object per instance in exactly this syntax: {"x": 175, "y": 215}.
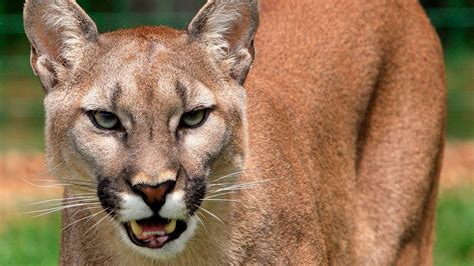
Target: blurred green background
{"x": 25, "y": 241}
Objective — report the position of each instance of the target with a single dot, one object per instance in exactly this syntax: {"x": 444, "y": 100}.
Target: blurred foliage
{"x": 455, "y": 228}
{"x": 30, "y": 241}
{"x": 22, "y": 115}
{"x": 460, "y": 75}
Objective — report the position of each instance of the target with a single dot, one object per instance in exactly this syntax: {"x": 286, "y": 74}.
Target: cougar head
{"x": 148, "y": 115}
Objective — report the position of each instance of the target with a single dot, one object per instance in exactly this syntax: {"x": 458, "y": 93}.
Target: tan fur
{"x": 342, "y": 121}
{"x": 142, "y": 178}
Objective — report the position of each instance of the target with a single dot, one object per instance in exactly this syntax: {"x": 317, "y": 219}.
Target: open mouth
{"x": 154, "y": 232}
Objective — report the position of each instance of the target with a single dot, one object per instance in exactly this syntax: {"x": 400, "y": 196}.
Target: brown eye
{"x": 194, "y": 119}
{"x": 104, "y": 120}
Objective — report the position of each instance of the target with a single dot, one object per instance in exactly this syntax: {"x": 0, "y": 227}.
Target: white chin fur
{"x": 170, "y": 249}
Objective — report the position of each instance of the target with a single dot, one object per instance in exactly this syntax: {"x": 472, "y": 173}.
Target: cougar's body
{"x": 340, "y": 131}
{"x": 346, "y": 103}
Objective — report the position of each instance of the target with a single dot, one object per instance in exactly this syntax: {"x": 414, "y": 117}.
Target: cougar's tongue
{"x": 155, "y": 234}
{"x": 155, "y": 241}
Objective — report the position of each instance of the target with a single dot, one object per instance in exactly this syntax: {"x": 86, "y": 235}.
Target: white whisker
{"x": 44, "y": 186}
{"x": 223, "y": 200}
{"x": 51, "y": 210}
{"x": 90, "y": 217}
{"x": 219, "y": 194}
{"x": 220, "y": 184}
{"x": 86, "y": 185}
{"x": 210, "y": 213}
{"x": 106, "y": 215}
{"x": 85, "y": 209}
{"x": 68, "y": 181}
{"x": 48, "y": 171}
{"x": 61, "y": 199}
{"x": 243, "y": 186}
{"x": 228, "y": 175}
{"x": 57, "y": 204}
{"x": 200, "y": 220}
{"x": 233, "y": 174}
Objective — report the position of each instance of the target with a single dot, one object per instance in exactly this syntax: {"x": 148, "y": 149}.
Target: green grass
{"x": 36, "y": 241}
{"x": 30, "y": 241}
{"x": 455, "y": 228}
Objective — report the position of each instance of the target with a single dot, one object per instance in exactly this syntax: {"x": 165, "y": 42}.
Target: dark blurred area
{"x": 21, "y": 112}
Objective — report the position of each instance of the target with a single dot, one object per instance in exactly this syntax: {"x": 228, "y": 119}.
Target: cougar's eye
{"x": 194, "y": 118}
{"x": 104, "y": 120}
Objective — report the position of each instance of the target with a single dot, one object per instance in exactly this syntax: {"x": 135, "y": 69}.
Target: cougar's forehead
{"x": 152, "y": 73}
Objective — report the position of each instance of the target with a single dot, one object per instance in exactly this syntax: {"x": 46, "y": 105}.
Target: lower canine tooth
{"x": 136, "y": 229}
{"x": 169, "y": 228}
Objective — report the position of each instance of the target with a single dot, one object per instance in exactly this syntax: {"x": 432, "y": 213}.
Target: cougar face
{"x": 149, "y": 115}
{"x": 152, "y": 122}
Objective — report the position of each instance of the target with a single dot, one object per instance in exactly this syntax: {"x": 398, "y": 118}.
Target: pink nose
{"x": 154, "y": 196}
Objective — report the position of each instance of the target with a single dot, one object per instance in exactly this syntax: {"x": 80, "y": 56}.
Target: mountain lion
{"x": 176, "y": 147}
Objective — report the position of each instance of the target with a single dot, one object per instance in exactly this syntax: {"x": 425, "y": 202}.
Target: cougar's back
{"x": 346, "y": 104}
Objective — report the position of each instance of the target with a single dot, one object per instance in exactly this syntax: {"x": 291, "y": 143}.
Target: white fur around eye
{"x": 207, "y": 138}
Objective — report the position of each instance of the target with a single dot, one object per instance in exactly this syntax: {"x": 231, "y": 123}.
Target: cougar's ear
{"x": 59, "y": 32}
{"x": 227, "y": 29}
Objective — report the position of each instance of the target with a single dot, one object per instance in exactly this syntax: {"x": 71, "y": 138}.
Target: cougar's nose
{"x": 154, "y": 196}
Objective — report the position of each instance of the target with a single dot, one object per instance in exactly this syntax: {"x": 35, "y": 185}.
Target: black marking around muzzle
{"x": 107, "y": 195}
{"x": 195, "y": 191}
